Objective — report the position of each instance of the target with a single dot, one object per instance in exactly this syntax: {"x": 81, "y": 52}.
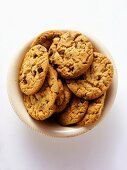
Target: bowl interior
{"x": 49, "y": 127}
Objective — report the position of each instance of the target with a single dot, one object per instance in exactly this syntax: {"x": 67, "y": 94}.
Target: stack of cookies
{"x": 64, "y": 78}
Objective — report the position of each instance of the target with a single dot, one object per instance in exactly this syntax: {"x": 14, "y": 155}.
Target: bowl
{"x": 48, "y": 127}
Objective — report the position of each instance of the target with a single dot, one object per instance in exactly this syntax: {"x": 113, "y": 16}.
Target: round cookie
{"x": 71, "y": 54}
{"x": 94, "y": 111}
{"x": 33, "y": 70}
{"x": 95, "y": 81}
{"x": 46, "y": 38}
{"x": 74, "y": 112}
{"x": 67, "y": 96}
{"x": 42, "y": 104}
{"x": 60, "y": 96}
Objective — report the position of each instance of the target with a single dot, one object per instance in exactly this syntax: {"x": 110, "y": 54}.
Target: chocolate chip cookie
{"x": 33, "y": 70}
{"x": 42, "y": 104}
{"x": 74, "y": 112}
{"x": 95, "y": 81}
{"x": 71, "y": 54}
{"x": 94, "y": 111}
{"x": 46, "y": 38}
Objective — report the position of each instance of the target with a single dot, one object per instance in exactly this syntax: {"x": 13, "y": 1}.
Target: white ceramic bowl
{"x": 47, "y": 127}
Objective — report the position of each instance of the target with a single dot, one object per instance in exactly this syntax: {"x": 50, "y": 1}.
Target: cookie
{"x": 74, "y": 112}
{"x": 60, "y": 96}
{"x": 95, "y": 81}
{"x": 67, "y": 96}
{"x": 42, "y": 104}
{"x": 94, "y": 111}
{"x": 71, "y": 54}
{"x": 33, "y": 70}
{"x": 46, "y": 38}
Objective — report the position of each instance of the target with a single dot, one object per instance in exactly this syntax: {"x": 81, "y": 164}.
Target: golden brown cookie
{"x": 95, "y": 81}
{"x": 67, "y": 96}
{"x": 46, "y": 38}
{"x": 42, "y": 104}
{"x": 74, "y": 112}
{"x": 94, "y": 111}
{"x": 33, "y": 70}
{"x": 71, "y": 54}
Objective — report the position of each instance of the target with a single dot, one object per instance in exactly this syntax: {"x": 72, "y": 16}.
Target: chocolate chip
{"x": 35, "y": 55}
{"x": 24, "y": 80}
{"x": 34, "y": 73}
{"x": 98, "y": 77}
{"x": 40, "y": 69}
{"x": 82, "y": 40}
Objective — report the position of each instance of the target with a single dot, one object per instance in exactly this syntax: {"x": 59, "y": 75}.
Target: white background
{"x": 104, "y": 148}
